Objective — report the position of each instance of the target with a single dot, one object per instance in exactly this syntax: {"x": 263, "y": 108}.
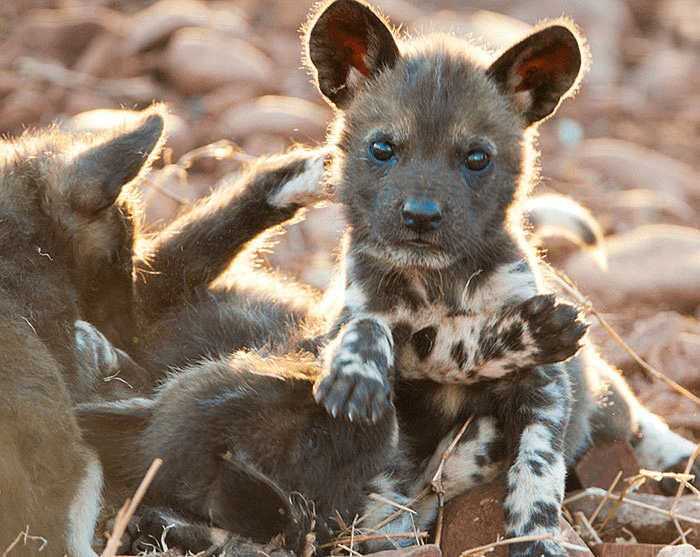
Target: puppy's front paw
{"x": 555, "y": 328}
{"x": 355, "y": 384}
{"x": 353, "y": 391}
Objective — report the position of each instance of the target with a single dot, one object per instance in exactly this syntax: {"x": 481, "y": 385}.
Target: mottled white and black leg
{"x": 536, "y": 478}
{"x": 470, "y": 348}
{"x": 355, "y": 383}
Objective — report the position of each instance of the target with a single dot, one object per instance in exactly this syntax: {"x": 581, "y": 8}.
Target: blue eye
{"x": 381, "y": 151}
{"x": 477, "y": 161}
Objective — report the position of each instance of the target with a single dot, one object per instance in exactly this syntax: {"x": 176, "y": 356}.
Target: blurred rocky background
{"x": 626, "y": 147}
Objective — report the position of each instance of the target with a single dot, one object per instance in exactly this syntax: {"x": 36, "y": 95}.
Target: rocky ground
{"x": 626, "y": 147}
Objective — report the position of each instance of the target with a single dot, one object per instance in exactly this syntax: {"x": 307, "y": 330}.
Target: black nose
{"x": 422, "y": 215}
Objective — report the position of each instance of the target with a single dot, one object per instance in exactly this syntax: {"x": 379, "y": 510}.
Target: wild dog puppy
{"x": 239, "y": 435}
{"x": 65, "y": 258}
{"x": 445, "y": 313}
{"x": 245, "y": 448}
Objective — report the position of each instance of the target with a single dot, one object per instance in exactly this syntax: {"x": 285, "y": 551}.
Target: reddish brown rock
{"x": 626, "y": 165}
{"x": 64, "y": 34}
{"x": 200, "y": 60}
{"x": 475, "y": 519}
{"x": 23, "y": 107}
{"x": 152, "y": 26}
{"x": 647, "y": 526}
{"x": 655, "y": 265}
{"x": 277, "y": 115}
{"x": 600, "y": 465}
{"x": 628, "y": 550}
{"x": 427, "y": 550}
{"x": 668, "y": 341}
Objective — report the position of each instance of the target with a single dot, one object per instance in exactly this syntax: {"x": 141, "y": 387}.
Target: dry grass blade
{"x": 436, "y": 482}
{"x": 631, "y": 486}
{"x": 589, "y": 531}
{"x": 597, "y": 492}
{"x": 481, "y": 550}
{"x": 359, "y": 538}
{"x": 24, "y": 535}
{"x": 127, "y": 511}
{"x": 607, "y": 495}
{"x": 686, "y": 471}
{"x": 566, "y": 283}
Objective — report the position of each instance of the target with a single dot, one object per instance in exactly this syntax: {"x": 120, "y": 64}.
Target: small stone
{"x": 154, "y": 25}
{"x": 200, "y": 60}
{"x": 277, "y": 115}
{"x": 653, "y": 265}
{"x": 600, "y": 465}
{"x": 685, "y": 550}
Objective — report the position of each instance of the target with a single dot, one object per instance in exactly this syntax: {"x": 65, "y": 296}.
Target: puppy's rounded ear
{"x": 348, "y": 44}
{"x": 537, "y": 72}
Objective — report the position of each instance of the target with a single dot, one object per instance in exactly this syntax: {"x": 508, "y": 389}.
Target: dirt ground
{"x": 625, "y": 147}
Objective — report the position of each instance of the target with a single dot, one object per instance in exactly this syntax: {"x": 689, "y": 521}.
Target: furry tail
{"x": 556, "y": 215}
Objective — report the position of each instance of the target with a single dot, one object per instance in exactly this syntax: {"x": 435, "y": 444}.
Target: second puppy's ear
{"x": 348, "y": 44}
{"x": 538, "y": 71}
{"x": 99, "y": 174}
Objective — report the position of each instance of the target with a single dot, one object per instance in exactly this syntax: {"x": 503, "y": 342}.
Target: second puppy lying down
{"x": 244, "y": 444}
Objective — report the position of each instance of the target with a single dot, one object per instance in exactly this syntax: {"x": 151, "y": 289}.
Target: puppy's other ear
{"x": 99, "y": 174}
{"x": 348, "y": 44}
{"x": 243, "y": 500}
{"x": 537, "y": 72}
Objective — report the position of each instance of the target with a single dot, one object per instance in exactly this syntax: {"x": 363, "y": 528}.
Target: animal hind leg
{"x": 621, "y": 416}
{"x": 197, "y": 247}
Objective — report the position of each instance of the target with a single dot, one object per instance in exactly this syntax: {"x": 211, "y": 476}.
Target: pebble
{"x": 199, "y": 60}
{"x": 64, "y": 34}
{"x": 277, "y": 115}
{"x": 154, "y": 25}
{"x": 655, "y": 265}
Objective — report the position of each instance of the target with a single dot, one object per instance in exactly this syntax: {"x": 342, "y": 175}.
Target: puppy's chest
{"x": 457, "y": 337}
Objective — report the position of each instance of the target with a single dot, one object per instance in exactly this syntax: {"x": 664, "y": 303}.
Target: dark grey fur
{"x": 65, "y": 258}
